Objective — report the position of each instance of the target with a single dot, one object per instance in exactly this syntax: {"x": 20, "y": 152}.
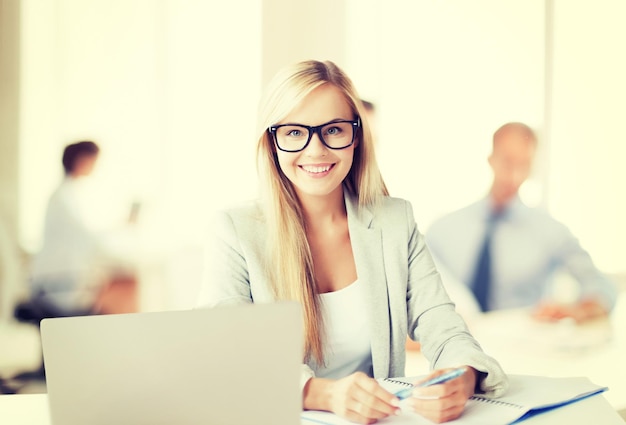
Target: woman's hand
{"x": 356, "y": 397}
{"x": 444, "y": 402}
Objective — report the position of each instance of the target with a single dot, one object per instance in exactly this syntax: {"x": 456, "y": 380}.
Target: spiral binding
{"x": 476, "y": 398}
{"x": 395, "y": 381}
{"x": 494, "y": 401}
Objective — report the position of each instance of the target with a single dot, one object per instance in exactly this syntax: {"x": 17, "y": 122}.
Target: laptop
{"x": 232, "y": 365}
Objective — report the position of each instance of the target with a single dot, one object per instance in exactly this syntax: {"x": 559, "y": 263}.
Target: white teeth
{"x": 314, "y": 169}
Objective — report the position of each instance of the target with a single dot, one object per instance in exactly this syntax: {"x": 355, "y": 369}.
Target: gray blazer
{"x": 405, "y": 293}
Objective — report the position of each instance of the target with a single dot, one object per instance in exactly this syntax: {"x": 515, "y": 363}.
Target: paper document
{"x": 527, "y": 395}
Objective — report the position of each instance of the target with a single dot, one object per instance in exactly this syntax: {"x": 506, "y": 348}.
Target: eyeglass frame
{"x": 356, "y": 124}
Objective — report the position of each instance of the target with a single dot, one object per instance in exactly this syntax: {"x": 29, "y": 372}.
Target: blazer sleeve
{"x": 225, "y": 276}
{"x": 432, "y": 319}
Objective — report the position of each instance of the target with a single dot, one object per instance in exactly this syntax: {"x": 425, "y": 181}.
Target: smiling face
{"x": 318, "y": 171}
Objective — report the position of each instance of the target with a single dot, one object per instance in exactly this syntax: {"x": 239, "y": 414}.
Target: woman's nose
{"x": 316, "y": 147}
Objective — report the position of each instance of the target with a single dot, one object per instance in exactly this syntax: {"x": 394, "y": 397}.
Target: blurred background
{"x": 169, "y": 90}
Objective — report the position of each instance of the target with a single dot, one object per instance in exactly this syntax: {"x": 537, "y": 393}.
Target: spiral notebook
{"x": 528, "y": 395}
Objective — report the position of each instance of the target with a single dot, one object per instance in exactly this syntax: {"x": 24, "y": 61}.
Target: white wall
{"x": 170, "y": 90}
{"x": 588, "y": 140}
{"x": 295, "y": 30}
{"x": 446, "y": 74}
{"x": 451, "y": 73}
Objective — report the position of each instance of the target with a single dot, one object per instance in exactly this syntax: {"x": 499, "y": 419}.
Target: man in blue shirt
{"x": 508, "y": 254}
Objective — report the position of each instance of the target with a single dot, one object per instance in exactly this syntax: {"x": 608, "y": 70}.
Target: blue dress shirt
{"x": 528, "y": 248}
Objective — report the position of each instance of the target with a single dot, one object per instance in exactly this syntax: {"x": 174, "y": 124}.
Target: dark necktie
{"x": 482, "y": 281}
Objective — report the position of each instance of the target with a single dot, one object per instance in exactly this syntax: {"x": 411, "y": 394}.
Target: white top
{"x": 77, "y": 252}
{"x": 348, "y": 343}
{"x": 69, "y": 239}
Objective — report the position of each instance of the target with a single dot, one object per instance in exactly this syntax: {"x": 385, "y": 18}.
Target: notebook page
{"x": 526, "y": 393}
{"x": 477, "y": 412}
{"x": 533, "y": 392}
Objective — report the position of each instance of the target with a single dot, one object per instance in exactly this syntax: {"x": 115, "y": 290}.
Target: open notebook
{"x": 527, "y": 395}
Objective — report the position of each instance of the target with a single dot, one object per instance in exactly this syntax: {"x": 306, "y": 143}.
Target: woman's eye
{"x": 333, "y": 131}
{"x": 294, "y": 133}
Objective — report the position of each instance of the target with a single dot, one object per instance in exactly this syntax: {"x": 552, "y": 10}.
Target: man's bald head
{"x": 514, "y": 146}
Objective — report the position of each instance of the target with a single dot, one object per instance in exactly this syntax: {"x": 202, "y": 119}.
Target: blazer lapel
{"x": 367, "y": 249}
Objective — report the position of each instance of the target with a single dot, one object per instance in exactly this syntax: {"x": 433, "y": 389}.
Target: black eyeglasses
{"x": 337, "y": 134}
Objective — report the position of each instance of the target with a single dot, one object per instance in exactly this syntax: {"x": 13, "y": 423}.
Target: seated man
{"x": 77, "y": 271}
{"x": 506, "y": 253}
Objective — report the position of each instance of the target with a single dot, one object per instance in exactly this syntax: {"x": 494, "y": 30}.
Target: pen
{"x": 445, "y": 377}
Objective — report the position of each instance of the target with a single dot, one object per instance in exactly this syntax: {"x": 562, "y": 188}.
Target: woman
{"x": 327, "y": 234}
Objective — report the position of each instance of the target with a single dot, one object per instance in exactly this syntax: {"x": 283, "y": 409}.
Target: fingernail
{"x": 395, "y": 402}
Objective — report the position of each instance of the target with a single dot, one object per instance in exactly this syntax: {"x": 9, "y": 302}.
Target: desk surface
{"x": 524, "y": 346}
{"x": 32, "y": 409}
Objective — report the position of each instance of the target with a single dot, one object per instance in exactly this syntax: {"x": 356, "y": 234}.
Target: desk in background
{"x": 596, "y": 349}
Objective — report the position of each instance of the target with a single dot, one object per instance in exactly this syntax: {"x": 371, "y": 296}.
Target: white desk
{"x": 24, "y": 409}
{"x": 32, "y": 409}
{"x": 524, "y": 346}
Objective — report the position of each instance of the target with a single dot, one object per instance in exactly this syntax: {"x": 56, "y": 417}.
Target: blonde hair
{"x": 289, "y": 261}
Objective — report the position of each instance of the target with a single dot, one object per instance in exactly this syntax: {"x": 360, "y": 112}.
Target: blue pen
{"x": 445, "y": 377}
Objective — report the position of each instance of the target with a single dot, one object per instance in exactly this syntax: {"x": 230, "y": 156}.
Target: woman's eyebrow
{"x": 327, "y": 122}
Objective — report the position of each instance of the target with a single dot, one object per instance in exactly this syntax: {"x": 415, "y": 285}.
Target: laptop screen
{"x": 234, "y": 365}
